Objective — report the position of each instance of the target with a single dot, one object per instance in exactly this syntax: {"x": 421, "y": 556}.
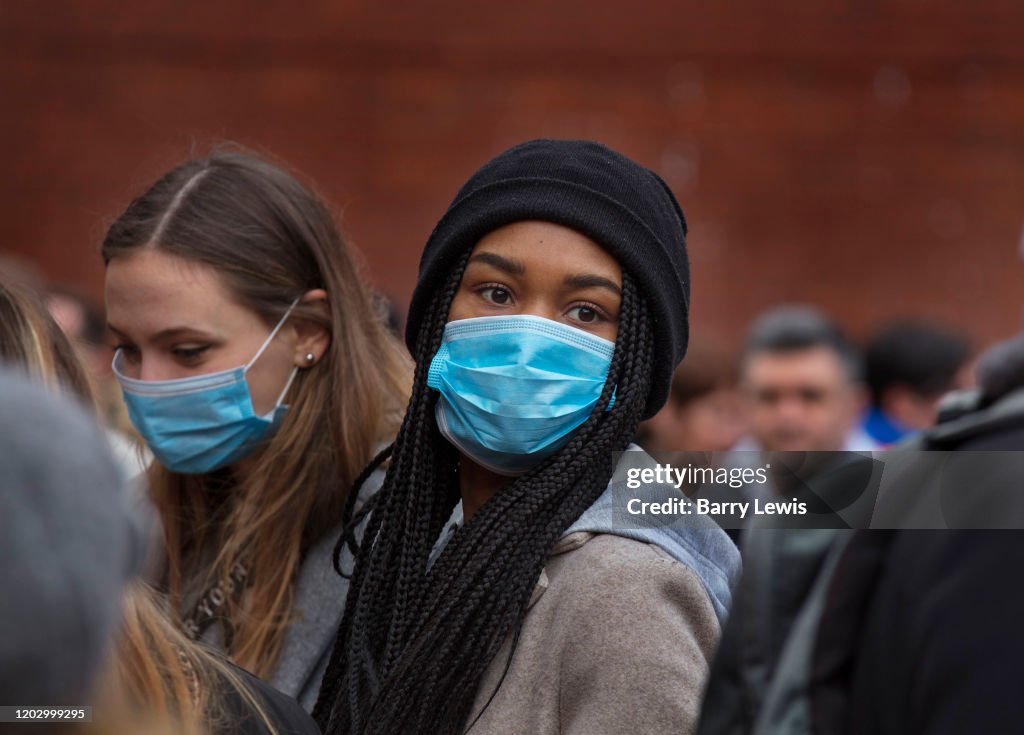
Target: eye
{"x": 586, "y": 314}
{"x": 190, "y": 354}
{"x": 498, "y": 295}
{"x": 812, "y": 395}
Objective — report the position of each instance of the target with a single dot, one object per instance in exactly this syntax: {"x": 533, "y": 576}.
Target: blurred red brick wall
{"x": 864, "y": 155}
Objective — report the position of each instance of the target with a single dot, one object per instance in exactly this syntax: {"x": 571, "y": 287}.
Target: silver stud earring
{"x": 309, "y": 358}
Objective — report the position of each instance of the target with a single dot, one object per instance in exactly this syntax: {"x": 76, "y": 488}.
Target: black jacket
{"x": 284, "y": 712}
{"x": 940, "y": 646}
{"x": 888, "y": 632}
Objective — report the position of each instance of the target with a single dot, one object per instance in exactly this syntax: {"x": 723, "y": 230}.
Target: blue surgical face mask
{"x": 514, "y": 388}
{"x": 202, "y": 423}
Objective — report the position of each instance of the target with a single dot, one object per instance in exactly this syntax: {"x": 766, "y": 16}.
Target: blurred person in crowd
{"x": 497, "y": 594}
{"x": 75, "y": 630}
{"x": 68, "y": 545}
{"x": 33, "y": 343}
{"x": 152, "y": 660}
{"x": 159, "y": 671}
{"x": 33, "y": 340}
{"x": 943, "y": 603}
{"x": 909, "y": 366}
{"x": 902, "y": 630}
{"x": 801, "y": 380}
{"x": 256, "y": 368}
{"x": 802, "y": 384}
{"x": 84, "y": 325}
{"x": 703, "y": 412}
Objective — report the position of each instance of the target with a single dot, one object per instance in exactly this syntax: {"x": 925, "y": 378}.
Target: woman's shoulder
{"x": 318, "y": 605}
{"x": 606, "y": 570}
{"x": 623, "y": 615}
{"x": 598, "y": 553}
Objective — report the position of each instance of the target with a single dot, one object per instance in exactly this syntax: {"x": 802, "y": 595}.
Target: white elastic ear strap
{"x": 273, "y": 334}
{"x": 291, "y": 379}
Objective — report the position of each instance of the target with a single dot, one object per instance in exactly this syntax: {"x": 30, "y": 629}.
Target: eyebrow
{"x": 512, "y": 267}
{"x": 515, "y": 268}
{"x": 167, "y": 333}
{"x": 591, "y": 281}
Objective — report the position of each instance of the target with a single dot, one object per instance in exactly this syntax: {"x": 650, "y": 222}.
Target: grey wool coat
{"x": 617, "y": 639}
{"x": 316, "y": 614}
{"x": 319, "y": 603}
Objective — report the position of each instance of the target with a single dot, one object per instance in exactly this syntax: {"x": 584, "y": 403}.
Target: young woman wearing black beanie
{"x": 492, "y": 591}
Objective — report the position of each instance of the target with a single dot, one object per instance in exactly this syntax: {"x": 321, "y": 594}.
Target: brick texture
{"x": 864, "y": 155}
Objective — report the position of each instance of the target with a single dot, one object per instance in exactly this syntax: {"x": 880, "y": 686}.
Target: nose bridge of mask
{"x": 465, "y": 330}
{"x": 526, "y": 370}
{"x": 538, "y": 346}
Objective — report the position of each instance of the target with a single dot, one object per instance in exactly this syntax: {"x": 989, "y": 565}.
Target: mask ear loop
{"x": 266, "y": 343}
{"x": 273, "y": 333}
{"x": 291, "y": 379}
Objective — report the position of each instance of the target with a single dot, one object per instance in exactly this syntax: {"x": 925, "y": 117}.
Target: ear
{"x": 311, "y": 338}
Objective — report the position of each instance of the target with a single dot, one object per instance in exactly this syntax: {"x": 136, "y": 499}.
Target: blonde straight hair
{"x": 32, "y": 341}
{"x": 271, "y": 240}
{"x": 158, "y": 672}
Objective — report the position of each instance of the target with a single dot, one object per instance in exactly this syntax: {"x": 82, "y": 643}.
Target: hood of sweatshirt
{"x": 693, "y": 540}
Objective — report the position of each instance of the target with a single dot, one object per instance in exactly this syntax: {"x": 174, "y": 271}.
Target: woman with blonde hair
{"x": 32, "y": 342}
{"x": 155, "y": 677}
{"x": 258, "y": 371}
{"x": 158, "y": 670}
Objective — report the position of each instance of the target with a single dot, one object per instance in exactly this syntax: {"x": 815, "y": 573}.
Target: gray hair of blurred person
{"x": 798, "y": 327}
{"x": 68, "y": 544}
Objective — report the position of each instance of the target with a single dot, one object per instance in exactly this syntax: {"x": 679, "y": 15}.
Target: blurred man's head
{"x": 910, "y": 366}
{"x": 84, "y": 324}
{"x": 801, "y": 382}
{"x": 703, "y": 411}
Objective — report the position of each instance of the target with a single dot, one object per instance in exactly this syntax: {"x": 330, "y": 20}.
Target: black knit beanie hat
{"x": 623, "y": 207}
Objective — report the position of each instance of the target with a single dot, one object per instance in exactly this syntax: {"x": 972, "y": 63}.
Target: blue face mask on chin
{"x": 515, "y": 388}
{"x": 205, "y": 422}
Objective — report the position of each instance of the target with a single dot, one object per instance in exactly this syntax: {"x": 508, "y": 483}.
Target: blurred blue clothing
{"x": 882, "y": 429}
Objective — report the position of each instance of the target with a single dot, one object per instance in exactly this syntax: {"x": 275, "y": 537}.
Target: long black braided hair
{"x": 414, "y": 643}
